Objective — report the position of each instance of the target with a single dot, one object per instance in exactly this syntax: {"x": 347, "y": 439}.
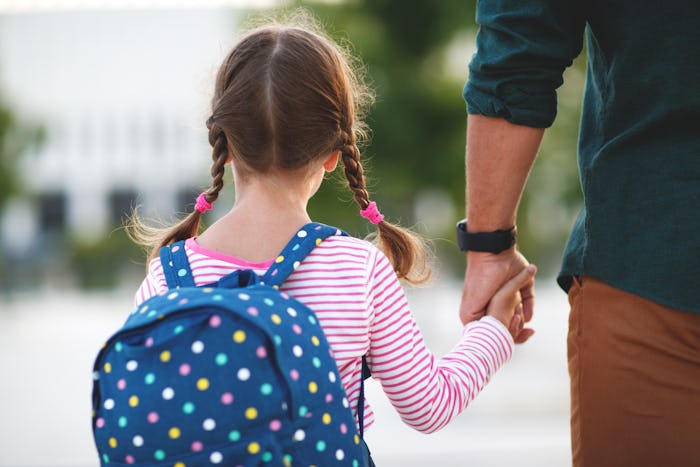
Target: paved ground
{"x": 48, "y": 341}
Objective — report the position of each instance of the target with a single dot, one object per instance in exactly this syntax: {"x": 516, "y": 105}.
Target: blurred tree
{"x": 418, "y": 122}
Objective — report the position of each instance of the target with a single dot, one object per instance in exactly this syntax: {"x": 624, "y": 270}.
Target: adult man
{"x": 632, "y": 263}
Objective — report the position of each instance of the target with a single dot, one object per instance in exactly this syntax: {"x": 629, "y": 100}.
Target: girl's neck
{"x": 265, "y": 215}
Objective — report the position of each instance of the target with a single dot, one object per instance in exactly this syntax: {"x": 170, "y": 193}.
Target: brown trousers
{"x": 635, "y": 380}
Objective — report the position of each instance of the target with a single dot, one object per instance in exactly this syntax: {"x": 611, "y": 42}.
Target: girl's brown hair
{"x": 286, "y": 96}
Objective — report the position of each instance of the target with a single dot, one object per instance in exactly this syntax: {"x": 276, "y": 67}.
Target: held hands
{"x": 507, "y": 304}
{"x": 512, "y": 303}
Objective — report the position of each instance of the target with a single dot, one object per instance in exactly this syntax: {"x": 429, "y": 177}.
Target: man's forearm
{"x": 498, "y": 161}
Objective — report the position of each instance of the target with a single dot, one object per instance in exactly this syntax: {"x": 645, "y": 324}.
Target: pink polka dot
{"x": 149, "y": 342}
{"x": 275, "y": 425}
{"x": 152, "y": 417}
{"x": 343, "y": 428}
{"x": 100, "y": 422}
{"x": 252, "y": 311}
{"x": 261, "y": 352}
{"x": 185, "y": 369}
{"x": 215, "y": 321}
{"x": 227, "y": 398}
{"x": 175, "y": 248}
{"x": 329, "y": 398}
{"x": 296, "y": 328}
{"x": 121, "y": 384}
{"x": 129, "y": 459}
{"x": 182, "y": 301}
{"x": 294, "y": 374}
{"x": 284, "y": 295}
{"x": 197, "y": 446}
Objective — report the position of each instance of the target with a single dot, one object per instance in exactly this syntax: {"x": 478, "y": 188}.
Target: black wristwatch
{"x": 491, "y": 242}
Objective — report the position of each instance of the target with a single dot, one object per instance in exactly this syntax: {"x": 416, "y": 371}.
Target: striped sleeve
{"x": 426, "y": 391}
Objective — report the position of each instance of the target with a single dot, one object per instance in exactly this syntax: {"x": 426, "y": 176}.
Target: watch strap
{"x": 491, "y": 242}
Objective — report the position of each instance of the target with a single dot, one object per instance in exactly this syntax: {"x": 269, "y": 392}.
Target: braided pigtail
{"x": 153, "y": 238}
{"x": 406, "y": 251}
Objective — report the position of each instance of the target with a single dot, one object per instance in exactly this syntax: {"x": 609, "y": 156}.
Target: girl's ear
{"x": 331, "y": 161}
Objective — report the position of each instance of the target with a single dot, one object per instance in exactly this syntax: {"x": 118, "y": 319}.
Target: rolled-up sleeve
{"x": 523, "y": 48}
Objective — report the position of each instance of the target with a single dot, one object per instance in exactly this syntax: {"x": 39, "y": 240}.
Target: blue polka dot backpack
{"x": 236, "y": 373}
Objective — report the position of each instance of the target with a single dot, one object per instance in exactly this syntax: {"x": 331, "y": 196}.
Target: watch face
{"x": 489, "y": 242}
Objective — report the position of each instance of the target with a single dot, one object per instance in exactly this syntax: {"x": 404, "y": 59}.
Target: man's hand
{"x": 486, "y": 273}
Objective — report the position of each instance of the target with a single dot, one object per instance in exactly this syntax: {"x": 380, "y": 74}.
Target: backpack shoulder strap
{"x": 176, "y": 267}
{"x": 303, "y": 242}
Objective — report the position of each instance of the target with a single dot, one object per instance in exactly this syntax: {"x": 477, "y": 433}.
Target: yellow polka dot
{"x": 133, "y": 401}
{"x": 165, "y": 356}
{"x": 202, "y": 384}
{"x": 313, "y": 387}
{"x": 318, "y": 241}
{"x": 326, "y": 418}
{"x": 174, "y": 433}
{"x": 179, "y": 464}
{"x": 315, "y": 341}
{"x": 279, "y": 259}
{"x": 357, "y": 439}
{"x": 276, "y": 319}
{"x": 112, "y": 442}
{"x": 276, "y": 287}
{"x": 251, "y": 413}
{"x": 239, "y": 336}
{"x": 253, "y": 448}
{"x": 108, "y": 367}
{"x": 287, "y": 462}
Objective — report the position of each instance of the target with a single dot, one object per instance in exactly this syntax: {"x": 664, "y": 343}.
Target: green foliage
{"x": 15, "y": 138}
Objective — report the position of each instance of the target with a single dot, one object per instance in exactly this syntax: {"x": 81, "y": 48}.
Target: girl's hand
{"x": 507, "y": 303}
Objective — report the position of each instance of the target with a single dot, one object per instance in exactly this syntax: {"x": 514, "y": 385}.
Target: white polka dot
{"x": 339, "y": 454}
{"x": 296, "y": 264}
{"x": 299, "y": 435}
{"x": 331, "y": 377}
{"x": 109, "y": 404}
{"x": 292, "y": 312}
{"x": 346, "y": 404}
{"x": 168, "y": 393}
{"x": 244, "y": 296}
{"x": 297, "y": 351}
{"x": 173, "y": 296}
{"x": 198, "y": 347}
{"x": 243, "y": 374}
{"x": 132, "y": 365}
{"x": 216, "y": 457}
{"x": 209, "y": 424}
{"x": 138, "y": 441}
{"x": 301, "y": 234}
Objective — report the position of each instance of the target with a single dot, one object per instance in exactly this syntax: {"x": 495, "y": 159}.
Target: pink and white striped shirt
{"x": 352, "y": 288}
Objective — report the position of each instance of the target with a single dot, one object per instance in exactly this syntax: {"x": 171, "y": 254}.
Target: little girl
{"x": 286, "y": 109}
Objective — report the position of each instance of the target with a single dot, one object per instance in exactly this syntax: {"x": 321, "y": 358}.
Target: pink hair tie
{"x": 202, "y": 205}
{"x": 372, "y": 214}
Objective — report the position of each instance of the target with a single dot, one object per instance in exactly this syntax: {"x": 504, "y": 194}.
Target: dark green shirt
{"x": 639, "y": 142}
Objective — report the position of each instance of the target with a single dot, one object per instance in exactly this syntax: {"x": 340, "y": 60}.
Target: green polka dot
{"x": 182, "y": 272}
{"x": 159, "y": 455}
{"x": 312, "y": 320}
{"x": 118, "y": 346}
{"x": 266, "y": 389}
{"x": 287, "y": 459}
{"x": 355, "y": 463}
{"x": 303, "y": 410}
{"x": 105, "y": 458}
{"x": 268, "y": 301}
{"x": 122, "y": 422}
{"x": 320, "y": 445}
{"x": 178, "y": 329}
{"x": 277, "y": 339}
{"x": 150, "y": 378}
{"x": 234, "y": 436}
{"x": 221, "y": 359}
{"x": 316, "y": 362}
{"x": 267, "y": 456}
{"x": 188, "y": 408}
